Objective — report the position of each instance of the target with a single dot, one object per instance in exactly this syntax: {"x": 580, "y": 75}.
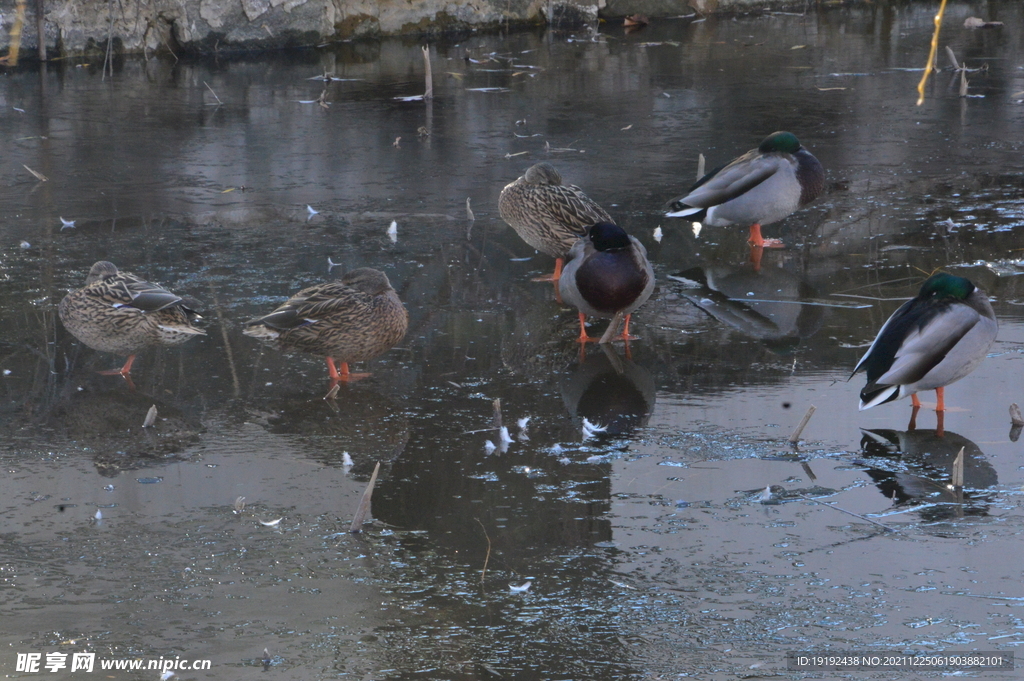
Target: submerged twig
{"x": 487, "y": 558}
{"x": 39, "y": 176}
{"x": 496, "y": 419}
{"x": 364, "y": 504}
{"x": 855, "y": 515}
{"x": 212, "y": 92}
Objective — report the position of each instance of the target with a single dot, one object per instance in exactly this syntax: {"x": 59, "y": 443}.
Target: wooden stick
{"x": 930, "y": 66}
{"x": 795, "y": 437}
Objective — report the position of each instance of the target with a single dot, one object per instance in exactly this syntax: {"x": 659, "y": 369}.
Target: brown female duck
{"x": 548, "y": 215}
{"x": 352, "y": 320}
{"x": 120, "y": 313}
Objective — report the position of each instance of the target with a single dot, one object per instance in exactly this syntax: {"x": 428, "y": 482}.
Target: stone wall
{"x": 82, "y": 27}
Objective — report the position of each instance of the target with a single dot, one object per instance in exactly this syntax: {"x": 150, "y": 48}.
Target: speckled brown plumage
{"x": 548, "y": 215}
{"x": 352, "y": 320}
{"x": 120, "y": 313}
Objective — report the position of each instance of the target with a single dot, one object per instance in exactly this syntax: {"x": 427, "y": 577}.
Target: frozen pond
{"x": 653, "y": 551}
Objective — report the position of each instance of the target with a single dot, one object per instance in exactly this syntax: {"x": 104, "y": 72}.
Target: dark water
{"x": 652, "y": 550}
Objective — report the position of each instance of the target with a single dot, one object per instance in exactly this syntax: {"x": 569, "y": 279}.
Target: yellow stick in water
{"x": 929, "y": 67}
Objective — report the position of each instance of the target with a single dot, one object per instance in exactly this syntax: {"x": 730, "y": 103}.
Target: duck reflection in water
{"x": 770, "y": 305}
{"x": 368, "y": 426}
{"x": 109, "y": 425}
{"x": 611, "y": 392}
{"x": 919, "y": 470}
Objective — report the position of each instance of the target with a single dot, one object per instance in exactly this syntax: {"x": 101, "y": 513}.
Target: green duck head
{"x": 944, "y": 286}
{"x": 780, "y": 143}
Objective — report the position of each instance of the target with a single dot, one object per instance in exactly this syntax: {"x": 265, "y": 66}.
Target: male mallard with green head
{"x": 607, "y": 275}
{"x": 120, "y": 313}
{"x": 548, "y": 215}
{"x": 931, "y": 341}
{"x": 352, "y": 320}
{"x": 760, "y": 187}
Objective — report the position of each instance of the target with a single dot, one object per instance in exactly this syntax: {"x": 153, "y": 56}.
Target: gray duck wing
{"x": 735, "y": 179}
{"x": 924, "y": 348}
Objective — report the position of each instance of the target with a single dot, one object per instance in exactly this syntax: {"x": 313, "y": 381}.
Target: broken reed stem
{"x": 108, "y": 57}
{"x": 958, "y": 470}
{"x": 364, "y": 504}
{"x": 429, "y": 91}
{"x": 41, "y": 30}
{"x": 1015, "y": 417}
{"x": 930, "y": 66}
{"x": 795, "y": 437}
{"x": 487, "y": 558}
{"x": 873, "y": 522}
{"x": 15, "y": 36}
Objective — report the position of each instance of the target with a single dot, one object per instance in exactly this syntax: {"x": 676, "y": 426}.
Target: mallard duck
{"x": 120, "y": 313}
{"x": 929, "y": 342}
{"x": 607, "y": 275}
{"x": 548, "y": 215}
{"x": 351, "y": 320}
{"x": 760, "y": 187}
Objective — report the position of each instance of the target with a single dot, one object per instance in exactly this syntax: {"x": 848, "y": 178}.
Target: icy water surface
{"x": 689, "y": 539}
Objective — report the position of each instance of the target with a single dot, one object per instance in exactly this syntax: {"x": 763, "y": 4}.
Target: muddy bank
{"x": 84, "y": 27}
